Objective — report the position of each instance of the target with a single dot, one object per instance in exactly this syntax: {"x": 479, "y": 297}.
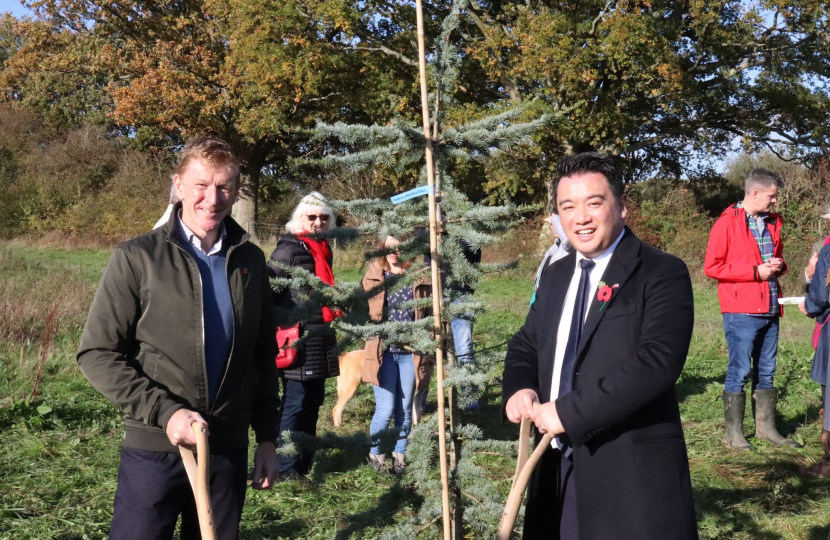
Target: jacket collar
{"x": 622, "y": 265}
{"x": 739, "y": 212}
{"x": 375, "y": 271}
{"x": 236, "y": 235}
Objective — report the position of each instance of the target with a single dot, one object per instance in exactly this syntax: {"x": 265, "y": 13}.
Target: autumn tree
{"x": 8, "y": 43}
{"x": 257, "y": 74}
{"x": 44, "y": 72}
{"x": 660, "y": 84}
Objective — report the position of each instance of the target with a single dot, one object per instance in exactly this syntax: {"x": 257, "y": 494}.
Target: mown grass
{"x": 59, "y": 451}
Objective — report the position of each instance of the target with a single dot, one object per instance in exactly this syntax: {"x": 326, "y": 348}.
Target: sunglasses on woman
{"x": 313, "y": 217}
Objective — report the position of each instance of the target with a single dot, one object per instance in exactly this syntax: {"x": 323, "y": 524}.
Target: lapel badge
{"x": 604, "y": 293}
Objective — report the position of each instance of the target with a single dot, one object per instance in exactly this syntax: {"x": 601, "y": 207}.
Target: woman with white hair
{"x": 304, "y": 379}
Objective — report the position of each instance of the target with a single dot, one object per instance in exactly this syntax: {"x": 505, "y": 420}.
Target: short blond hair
{"x": 214, "y": 151}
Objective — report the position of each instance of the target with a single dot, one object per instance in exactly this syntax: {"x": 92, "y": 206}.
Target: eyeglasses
{"x": 313, "y": 217}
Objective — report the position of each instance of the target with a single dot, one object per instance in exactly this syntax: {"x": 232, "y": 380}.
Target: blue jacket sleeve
{"x": 817, "y": 303}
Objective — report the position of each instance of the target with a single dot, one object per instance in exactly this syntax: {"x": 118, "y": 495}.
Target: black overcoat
{"x": 632, "y": 471}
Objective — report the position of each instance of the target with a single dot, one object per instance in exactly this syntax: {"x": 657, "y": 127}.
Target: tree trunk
{"x": 245, "y": 209}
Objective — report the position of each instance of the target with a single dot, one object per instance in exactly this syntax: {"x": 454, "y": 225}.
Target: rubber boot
{"x": 822, "y": 468}
{"x": 764, "y": 404}
{"x": 378, "y": 463}
{"x": 400, "y": 463}
{"x": 734, "y": 405}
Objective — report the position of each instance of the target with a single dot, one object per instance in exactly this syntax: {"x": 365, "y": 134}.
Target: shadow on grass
{"x": 690, "y": 385}
{"x": 819, "y": 533}
{"x": 276, "y": 529}
{"x": 383, "y": 514}
{"x": 331, "y": 461}
{"x": 781, "y": 491}
{"x": 788, "y": 424}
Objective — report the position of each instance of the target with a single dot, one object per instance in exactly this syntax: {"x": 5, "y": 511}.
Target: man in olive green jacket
{"x": 181, "y": 330}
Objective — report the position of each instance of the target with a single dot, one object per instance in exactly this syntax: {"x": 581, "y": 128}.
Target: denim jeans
{"x": 753, "y": 347}
{"x": 301, "y": 401}
{"x": 393, "y": 397}
{"x": 462, "y": 336}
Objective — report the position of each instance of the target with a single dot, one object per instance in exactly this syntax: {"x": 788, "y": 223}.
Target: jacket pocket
{"x": 148, "y": 364}
{"x": 620, "y": 310}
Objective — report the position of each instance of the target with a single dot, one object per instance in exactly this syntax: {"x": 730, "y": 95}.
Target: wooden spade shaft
{"x": 199, "y": 475}
{"x": 524, "y": 468}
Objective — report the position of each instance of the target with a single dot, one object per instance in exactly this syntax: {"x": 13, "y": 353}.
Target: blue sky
{"x": 15, "y": 7}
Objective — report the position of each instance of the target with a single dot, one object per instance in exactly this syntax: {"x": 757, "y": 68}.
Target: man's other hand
{"x": 180, "y": 430}
{"x": 265, "y": 465}
{"x": 777, "y": 264}
{"x": 766, "y": 271}
{"x": 811, "y": 267}
{"x": 802, "y": 308}
{"x": 520, "y": 405}
{"x": 547, "y": 419}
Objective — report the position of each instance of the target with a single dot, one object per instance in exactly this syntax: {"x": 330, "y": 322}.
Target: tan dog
{"x": 351, "y": 366}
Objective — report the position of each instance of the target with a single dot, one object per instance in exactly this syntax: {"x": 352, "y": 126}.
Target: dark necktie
{"x": 577, "y": 320}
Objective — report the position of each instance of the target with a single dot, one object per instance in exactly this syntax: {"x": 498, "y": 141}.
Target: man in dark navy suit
{"x": 595, "y": 365}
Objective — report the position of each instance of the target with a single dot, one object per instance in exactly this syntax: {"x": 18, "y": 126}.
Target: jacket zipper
{"x": 233, "y": 340}
{"x": 202, "y": 311}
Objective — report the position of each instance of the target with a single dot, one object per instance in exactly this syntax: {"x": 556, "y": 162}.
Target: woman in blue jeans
{"x": 396, "y": 372}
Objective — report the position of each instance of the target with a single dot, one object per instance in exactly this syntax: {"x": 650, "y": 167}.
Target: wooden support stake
{"x": 436, "y": 276}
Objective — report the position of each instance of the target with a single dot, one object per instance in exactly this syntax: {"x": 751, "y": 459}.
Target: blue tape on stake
{"x": 411, "y": 194}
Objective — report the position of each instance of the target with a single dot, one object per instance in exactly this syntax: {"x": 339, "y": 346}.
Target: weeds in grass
{"x": 49, "y": 331}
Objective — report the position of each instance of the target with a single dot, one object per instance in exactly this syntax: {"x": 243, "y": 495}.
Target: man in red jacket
{"x": 745, "y": 256}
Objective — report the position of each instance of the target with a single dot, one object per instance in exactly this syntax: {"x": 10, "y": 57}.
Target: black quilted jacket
{"x": 316, "y": 358}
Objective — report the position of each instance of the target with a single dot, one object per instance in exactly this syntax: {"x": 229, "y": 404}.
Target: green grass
{"x": 59, "y": 452}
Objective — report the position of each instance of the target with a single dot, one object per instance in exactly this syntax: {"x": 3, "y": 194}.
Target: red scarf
{"x": 321, "y": 253}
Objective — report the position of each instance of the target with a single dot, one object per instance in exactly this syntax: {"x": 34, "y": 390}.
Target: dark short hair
{"x": 590, "y": 162}
{"x": 762, "y": 178}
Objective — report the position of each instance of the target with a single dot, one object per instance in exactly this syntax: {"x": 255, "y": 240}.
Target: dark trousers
{"x": 301, "y": 403}
{"x": 568, "y": 524}
{"x": 550, "y": 513}
{"x": 153, "y": 490}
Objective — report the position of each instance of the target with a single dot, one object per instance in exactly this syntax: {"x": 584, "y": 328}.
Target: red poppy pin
{"x": 245, "y": 271}
{"x": 604, "y": 293}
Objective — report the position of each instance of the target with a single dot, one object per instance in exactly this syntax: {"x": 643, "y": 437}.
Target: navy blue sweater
{"x": 217, "y": 309}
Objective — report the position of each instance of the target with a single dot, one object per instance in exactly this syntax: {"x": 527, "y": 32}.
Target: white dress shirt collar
{"x": 603, "y": 257}
{"x": 191, "y": 237}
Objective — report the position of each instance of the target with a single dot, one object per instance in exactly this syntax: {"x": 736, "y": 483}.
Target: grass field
{"x": 59, "y": 450}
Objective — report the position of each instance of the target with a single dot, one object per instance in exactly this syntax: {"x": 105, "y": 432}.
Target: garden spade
{"x": 199, "y": 474}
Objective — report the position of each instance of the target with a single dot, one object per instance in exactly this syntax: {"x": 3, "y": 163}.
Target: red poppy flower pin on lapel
{"x": 604, "y": 293}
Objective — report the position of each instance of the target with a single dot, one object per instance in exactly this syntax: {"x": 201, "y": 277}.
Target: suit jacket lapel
{"x": 623, "y": 262}
{"x": 553, "y": 304}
